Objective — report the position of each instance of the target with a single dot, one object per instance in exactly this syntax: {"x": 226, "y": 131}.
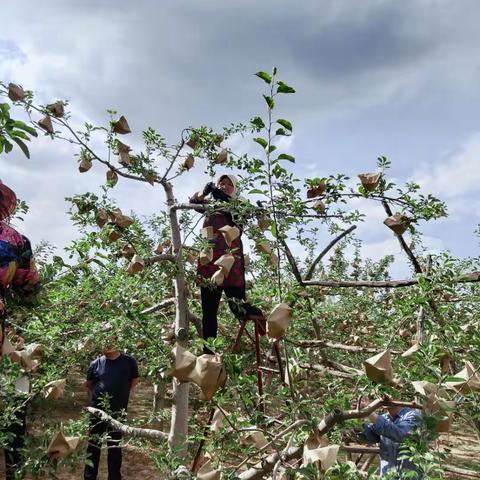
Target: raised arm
{"x": 397, "y": 431}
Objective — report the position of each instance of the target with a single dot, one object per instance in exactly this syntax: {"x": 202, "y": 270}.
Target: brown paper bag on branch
{"x": 183, "y": 362}
{"x": 23, "y": 358}
{"x": 317, "y": 190}
{"x": 263, "y": 222}
{"x": 413, "y": 349}
{"x": 209, "y": 374}
{"x": 56, "y": 109}
{"x": 379, "y": 367}
{"x": 222, "y": 157}
{"x": 206, "y": 256}
{"x": 7, "y": 347}
{"x": 123, "y": 221}
{"x": 264, "y": 247}
{"x": 206, "y": 472}
{"x": 319, "y": 207}
{"x": 229, "y": 234}
{"x": 469, "y": 379}
{"x": 225, "y": 262}
{"x": 136, "y": 265}
{"x": 15, "y": 92}
{"x": 398, "y": 223}
{"x": 85, "y": 165}
{"x": 217, "y": 420}
{"x": 101, "y": 217}
{"x": 46, "y": 124}
{"x": 54, "y": 390}
{"x": 370, "y": 180}
{"x": 114, "y": 235}
{"x": 218, "y": 277}
{"x": 324, "y": 457}
{"x": 255, "y": 438}
{"x": 121, "y": 126}
{"x": 278, "y": 320}
{"x": 189, "y": 162}
{"x": 112, "y": 177}
{"x": 35, "y": 350}
{"x": 61, "y": 446}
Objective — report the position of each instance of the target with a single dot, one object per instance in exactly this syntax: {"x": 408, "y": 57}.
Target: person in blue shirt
{"x": 390, "y": 430}
{"x": 110, "y": 378}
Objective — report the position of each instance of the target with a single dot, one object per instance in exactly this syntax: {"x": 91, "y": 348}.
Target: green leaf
{"x": 5, "y": 108}
{"x": 274, "y": 70}
{"x": 281, "y": 131}
{"x": 18, "y": 133}
{"x": 257, "y": 191}
{"x": 22, "y": 146}
{"x": 285, "y": 124}
{"x": 273, "y": 229}
{"x": 269, "y": 101}
{"x": 8, "y": 146}
{"x": 257, "y": 122}
{"x": 264, "y": 76}
{"x": 272, "y": 148}
{"x": 261, "y": 141}
{"x": 284, "y": 88}
{"x": 25, "y": 127}
{"x": 284, "y": 156}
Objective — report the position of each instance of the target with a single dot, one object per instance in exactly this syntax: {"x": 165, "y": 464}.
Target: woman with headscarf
{"x": 17, "y": 273}
{"x": 233, "y": 284}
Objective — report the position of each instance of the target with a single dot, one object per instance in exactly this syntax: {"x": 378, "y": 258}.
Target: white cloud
{"x": 457, "y": 175}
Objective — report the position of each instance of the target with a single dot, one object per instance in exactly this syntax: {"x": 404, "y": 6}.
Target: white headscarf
{"x": 233, "y": 179}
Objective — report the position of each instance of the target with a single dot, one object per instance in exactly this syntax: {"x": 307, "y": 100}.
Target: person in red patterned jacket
{"x": 233, "y": 284}
{"x": 18, "y": 273}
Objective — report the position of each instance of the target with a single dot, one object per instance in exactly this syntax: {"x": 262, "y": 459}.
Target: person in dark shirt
{"x": 110, "y": 378}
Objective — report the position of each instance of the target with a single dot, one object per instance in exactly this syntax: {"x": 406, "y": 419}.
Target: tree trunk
{"x": 179, "y": 422}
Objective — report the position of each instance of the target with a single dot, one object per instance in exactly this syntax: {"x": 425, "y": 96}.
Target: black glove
{"x": 218, "y": 194}
{"x": 208, "y": 188}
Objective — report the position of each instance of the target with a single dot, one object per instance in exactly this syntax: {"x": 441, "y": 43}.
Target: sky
{"x": 373, "y": 78}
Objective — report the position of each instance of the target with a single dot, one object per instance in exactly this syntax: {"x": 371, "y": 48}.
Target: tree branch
{"x": 314, "y": 264}
{"x": 467, "y": 278}
{"x": 125, "y": 429}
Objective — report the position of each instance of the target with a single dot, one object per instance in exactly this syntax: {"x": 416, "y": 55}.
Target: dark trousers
{"x": 236, "y": 299}
{"x": 16, "y": 443}
{"x": 97, "y": 429}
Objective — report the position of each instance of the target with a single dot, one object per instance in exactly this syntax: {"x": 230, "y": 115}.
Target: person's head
{"x": 228, "y": 185}
{"x": 8, "y": 201}
{"x": 393, "y": 410}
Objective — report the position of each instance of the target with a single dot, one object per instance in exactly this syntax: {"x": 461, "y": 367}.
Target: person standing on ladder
{"x": 224, "y": 190}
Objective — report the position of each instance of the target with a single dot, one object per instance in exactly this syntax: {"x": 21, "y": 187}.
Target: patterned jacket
{"x": 236, "y": 276}
{"x": 17, "y": 267}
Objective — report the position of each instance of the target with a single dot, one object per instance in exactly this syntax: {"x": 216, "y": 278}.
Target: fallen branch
{"x": 461, "y": 472}
{"x": 159, "y": 306}
{"x": 330, "y": 371}
{"x": 125, "y": 429}
{"x": 338, "y": 346}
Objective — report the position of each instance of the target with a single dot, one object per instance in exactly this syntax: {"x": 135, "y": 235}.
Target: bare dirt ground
{"x": 462, "y": 445}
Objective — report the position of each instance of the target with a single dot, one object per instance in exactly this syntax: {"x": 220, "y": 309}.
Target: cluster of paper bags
{"x": 206, "y": 371}
{"x": 29, "y": 359}
{"x": 434, "y": 397}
